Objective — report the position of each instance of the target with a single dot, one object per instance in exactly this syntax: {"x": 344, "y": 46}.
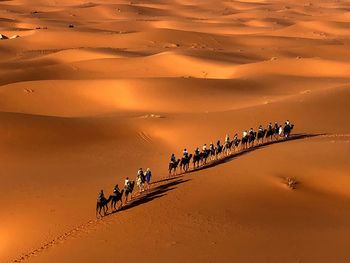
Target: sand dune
{"x": 92, "y": 90}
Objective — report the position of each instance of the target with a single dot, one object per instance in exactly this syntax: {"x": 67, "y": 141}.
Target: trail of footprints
{"x": 83, "y": 228}
{"x": 60, "y": 239}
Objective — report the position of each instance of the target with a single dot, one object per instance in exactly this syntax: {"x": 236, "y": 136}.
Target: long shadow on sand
{"x": 151, "y": 194}
{"x": 160, "y": 190}
{"x": 234, "y": 155}
{"x": 145, "y": 197}
{"x": 239, "y": 153}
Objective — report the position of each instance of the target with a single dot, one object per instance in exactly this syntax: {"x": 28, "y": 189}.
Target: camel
{"x": 102, "y": 204}
{"x": 236, "y": 143}
{"x": 227, "y": 147}
{"x": 218, "y": 151}
{"x": 204, "y": 156}
{"x": 287, "y": 130}
{"x": 212, "y": 153}
{"x": 115, "y": 199}
{"x": 276, "y": 132}
{"x": 129, "y": 190}
{"x": 261, "y": 135}
{"x": 140, "y": 183}
{"x": 173, "y": 166}
{"x": 251, "y": 139}
{"x": 196, "y": 159}
{"x": 185, "y": 163}
{"x": 244, "y": 143}
{"x": 269, "y": 134}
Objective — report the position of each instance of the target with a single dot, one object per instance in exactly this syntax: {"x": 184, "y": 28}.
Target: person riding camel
{"x": 218, "y": 144}
{"x": 101, "y": 196}
{"x": 235, "y": 138}
{"x": 276, "y": 127}
{"x": 116, "y": 190}
{"x": 211, "y": 146}
{"x": 185, "y": 154}
{"x": 148, "y": 176}
{"x": 204, "y": 149}
{"x": 287, "y": 123}
{"x": 261, "y": 128}
{"x": 196, "y": 152}
{"x": 251, "y": 131}
{"x": 141, "y": 175}
{"x": 227, "y": 138}
{"x": 280, "y": 131}
{"x": 127, "y": 183}
{"x": 269, "y": 127}
{"x": 172, "y": 159}
{"x": 140, "y": 180}
{"x": 245, "y": 134}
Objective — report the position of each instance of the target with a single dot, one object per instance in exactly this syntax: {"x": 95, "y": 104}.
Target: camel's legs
{"x": 97, "y": 207}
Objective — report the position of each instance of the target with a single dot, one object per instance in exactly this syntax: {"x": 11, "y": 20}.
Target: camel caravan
{"x": 143, "y": 180}
{"x": 215, "y": 152}
{"x": 198, "y": 158}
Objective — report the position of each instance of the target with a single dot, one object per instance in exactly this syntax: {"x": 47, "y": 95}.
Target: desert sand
{"x": 92, "y": 90}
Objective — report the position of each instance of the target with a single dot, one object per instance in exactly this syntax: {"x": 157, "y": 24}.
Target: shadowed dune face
{"x": 92, "y": 90}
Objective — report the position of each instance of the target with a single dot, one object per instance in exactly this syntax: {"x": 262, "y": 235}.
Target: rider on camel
{"x": 287, "y": 123}
{"x": 211, "y": 146}
{"x": 116, "y": 190}
{"x": 141, "y": 175}
{"x": 227, "y": 138}
{"x": 101, "y": 196}
{"x": 280, "y": 131}
{"x": 185, "y": 153}
{"x": 127, "y": 183}
{"x": 269, "y": 127}
{"x": 172, "y": 158}
{"x": 204, "y": 149}
{"x": 196, "y": 152}
{"x": 148, "y": 175}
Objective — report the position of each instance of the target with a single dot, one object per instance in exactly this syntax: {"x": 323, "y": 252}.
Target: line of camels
{"x": 114, "y": 199}
{"x": 201, "y": 158}
{"x": 216, "y": 152}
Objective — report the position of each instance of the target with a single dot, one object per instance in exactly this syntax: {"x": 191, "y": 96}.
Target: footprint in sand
{"x": 28, "y": 90}
{"x": 291, "y": 182}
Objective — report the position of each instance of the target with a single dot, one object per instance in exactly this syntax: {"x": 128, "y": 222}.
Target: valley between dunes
{"x": 92, "y": 90}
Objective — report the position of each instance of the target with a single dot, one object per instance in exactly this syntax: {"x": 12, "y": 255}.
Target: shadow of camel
{"x": 234, "y": 155}
{"x": 150, "y": 195}
{"x": 160, "y": 190}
